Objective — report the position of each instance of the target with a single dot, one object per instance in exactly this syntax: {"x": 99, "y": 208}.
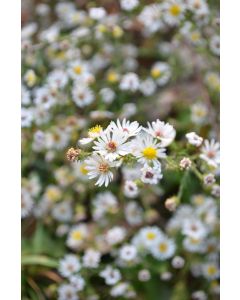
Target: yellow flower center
{"x": 77, "y": 235}
{"x": 156, "y": 73}
{"x": 112, "y": 77}
{"x": 149, "y": 153}
{"x": 195, "y": 36}
{"x": 163, "y": 247}
{"x": 94, "y": 130}
{"x": 53, "y": 194}
{"x": 151, "y": 235}
{"x": 117, "y": 31}
{"x": 83, "y": 169}
{"x": 211, "y": 270}
{"x": 77, "y": 70}
{"x": 175, "y": 10}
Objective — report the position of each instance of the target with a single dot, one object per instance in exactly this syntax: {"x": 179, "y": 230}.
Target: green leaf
{"x": 39, "y": 260}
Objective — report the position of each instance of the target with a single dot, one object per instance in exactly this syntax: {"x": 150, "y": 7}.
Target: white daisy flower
{"x": 97, "y": 13}
{"x": 194, "y": 245}
{"x": 150, "y": 236}
{"x": 129, "y": 4}
{"x": 161, "y": 72}
{"x": 126, "y": 127}
{"x": 97, "y": 166}
{"x": 163, "y": 249}
{"x": 174, "y": 12}
{"x": 147, "y": 149}
{"x": 77, "y": 236}
{"x": 115, "y": 235}
{"x": 82, "y": 95}
{"x": 210, "y": 152}
{"x": 112, "y": 144}
{"x": 162, "y": 131}
{"x": 77, "y": 69}
{"x": 119, "y": 289}
{"x": 210, "y": 270}
{"x": 194, "y": 228}
{"x": 107, "y": 95}
{"x": 69, "y": 265}
{"x": 199, "y": 112}
{"x": 67, "y": 291}
{"x": 129, "y": 82}
{"x": 130, "y": 189}
{"x": 151, "y": 175}
{"x": 77, "y": 282}
{"x": 128, "y": 253}
{"x": 62, "y": 212}
{"x": 57, "y": 78}
{"x": 194, "y": 139}
{"x": 150, "y": 17}
{"x": 148, "y": 87}
{"x": 111, "y": 276}
{"x": 133, "y": 213}
{"x": 30, "y": 78}
{"x": 91, "y": 258}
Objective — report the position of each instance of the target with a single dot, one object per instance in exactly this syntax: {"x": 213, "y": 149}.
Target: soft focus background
{"x": 74, "y": 65}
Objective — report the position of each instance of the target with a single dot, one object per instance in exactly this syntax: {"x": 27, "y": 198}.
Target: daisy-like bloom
{"x": 199, "y": 295}
{"x": 77, "y": 236}
{"x": 199, "y": 112}
{"x": 130, "y": 189}
{"x": 194, "y": 245}
{"x": 53, "y": 193}
{"x": 69, "y": 265}
{"x": 98, "y": 166}
{"x": 93, "y": 133}
{"x": 144, "y": 275}
{"x": 150, "y": 236}
{"x": 77, "y": 69}
{"x": 112, "y": 144}
{"x": 26, "y": 117}
{"x": 194, "y": 139}
{"x": 147, "y": 149}
{"x": 150, "y": 17}
{"x": 215, "y": 45}
{"x": 25, "y": 96}
{"x": 62, "y": 211}
{"x": 128, "y": 253}
{"x": 82, "y": 95}
{"x": 194, "y": 228}
{"x": 103, "y": 203}
{"x": 133, "y": 213}
{"x": 44, "y": 98}
{"x": 174, "y": 12}
{"x": 129, "y": 82}
{"x": 57, "y": 78}
{"x": 97, "y": 13}
{"x": 115, "y": 235}
{"x": 67, "y": 292}
{"x": 26, "y": 203}
{"x": 178, "y": 262}
{"x": 163, "y": 249}
{"x": 77, "y": 282}
{"x": 210, "y": 152}
{"x": 91, "y": 258}
{"x": 211, "y": 270}
{"x": 213, "y": 81}
{"x": 162, "y": 131}
{"x": 126, "y": 127}
{"x": 107, "y": 95}
{"x": 161, "y": 72}
{"x": 111, "y": 276}
{"x": 151, "y": 175}
{"x": 120, "y": 290}
{"x": 30, "y": 78}
{"x": 148, "y": 87}
{"x": 129, "y": 4}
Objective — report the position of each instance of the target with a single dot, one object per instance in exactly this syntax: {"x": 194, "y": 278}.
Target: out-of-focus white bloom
{"x": 107, "y": 95}
{"x": 111, "y": 276}
{"x": 119, "y": 290}
{"x": 128, "y": 110}
{"x": 161, "y": 72}
{"x": 150, "y": 17}
{"x": 77, "y": 235}
{"x": 78, "y": 70}
{"x": 147, "y": 150}
{"x": 133, "y": 213}
{"x": 26, "y": 117}
{"x": 82, "y": 95}
{"x": 162, "y": 131}
{"x": 199, "y": 295}
{"x": 144, "y": 275}
{"x": 69, "y": 265}
{"x": 129, "y": 4}
{"x": 115, "y": 235}
{"x": 77, "y": 282}
{"x": 26, "y": 203}
{"x": 25, "y": 96}
{"x": 150, "y": 236}
{"x": 194, "y": 245}
{"x": 210, "y": 270}
{"x": 128, "y": 253}
{"x": 178, "y": 262}
{"x": 30, "y": 78}
{"x": 126, "y": 127}
{"x": 173, "y": 11}
{"x": 97, "y": 13}
{"x": 213, "y": 81}
{"x": 163, "y": 249}
{"x": 112, "y": 144}
{"x": 104, "y": 203}
{"x": 199, "y": 113}
{"x": 130, "y": 189}
{"x": 91, "y": 258}
{"x": 148, "y": 87}
{"x": 57, "y": 78}
{"x": 44, "y": 98}
{"x": 209, "y": 179}
{"x": 194, "y": 228}
{"x": 215, "y": 45}
{"x": 129, "y": 82}
{"x": 210, "y": 153}
{"x": 194, "y": 139}
{"x": 62, "y": 211}
{"x": 151, "y": 175}
{"x": 67, "y": 291}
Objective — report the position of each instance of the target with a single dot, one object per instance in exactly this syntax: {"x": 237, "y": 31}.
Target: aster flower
{"x": 161, "y": 72}
{"x": 69, "y": 265}
{"x": 210, "y": 153}
{"x": 126, "y": 127}
{"x": 112, "y": 144}
{"x": 98, "y": 166}
{"x": 162, "y": 131}
{"x": 151, "y": 175}
{"x": 93, "y": 133}
{"x": 194, "y": 139}
{"x": 163, "y": 249}
{"x": 129, "y": 82}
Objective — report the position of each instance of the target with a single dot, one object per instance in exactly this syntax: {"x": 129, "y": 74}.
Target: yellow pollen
{"x": 175, "y": 10}
{"x": 149, "y": 153}
{"x": 77, "y": 70}
{"x": 83, "y": 169}
{"x": 151, "y": 235}
{"x": 77, "y": 235}
{"x": 163, "y": 247}
{"x": 156, "y": 73}
{"x": 211, "y": 270}
{"x": 95, "y": 129}
{"x": 103, "y": 168}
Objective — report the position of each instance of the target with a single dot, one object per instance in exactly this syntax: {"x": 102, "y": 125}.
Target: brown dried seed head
{"x": 72, "y": 154}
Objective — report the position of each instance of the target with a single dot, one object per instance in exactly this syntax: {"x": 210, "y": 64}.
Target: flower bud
{"x": 185, "y": 163}
{"x": 72, "y": 154}
{"x": 171, "y": 203}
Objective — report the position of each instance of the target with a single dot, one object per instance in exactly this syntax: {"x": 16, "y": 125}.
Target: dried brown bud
{"x": 72, "y": 154}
